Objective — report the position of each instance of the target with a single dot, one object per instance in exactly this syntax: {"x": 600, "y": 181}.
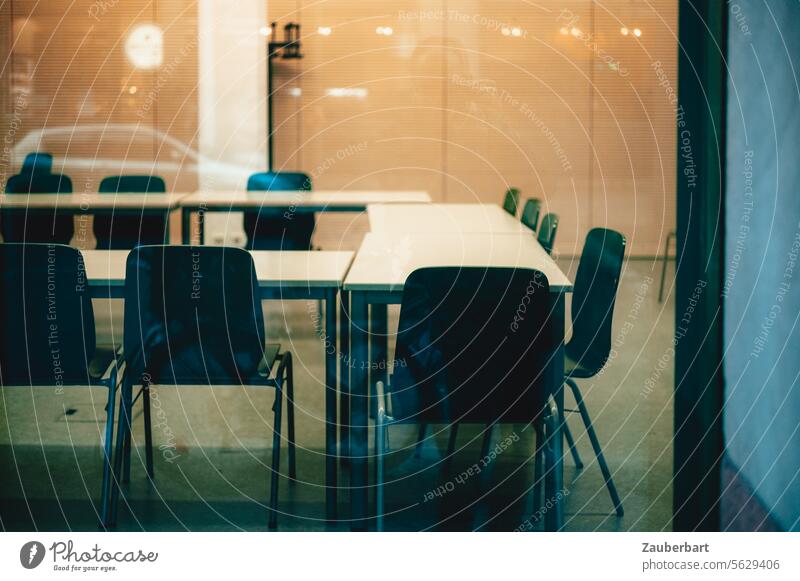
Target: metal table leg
{"x": 556, "y": 515}
{"x": 330, "y": 404}
{"x": 186, "y": 225}
{"x": 344, "y": 376}
{"x": 378, "y": 345}
{"x": 358, "y": 408}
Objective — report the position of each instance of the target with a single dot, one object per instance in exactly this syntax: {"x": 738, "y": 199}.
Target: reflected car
{"x": 88, "y": 153}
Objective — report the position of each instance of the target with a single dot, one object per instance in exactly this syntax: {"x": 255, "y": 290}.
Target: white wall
{"x": 232, "y": 105}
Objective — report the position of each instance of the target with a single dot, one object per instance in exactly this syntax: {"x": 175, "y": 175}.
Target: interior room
{"x": 293, "y": 265}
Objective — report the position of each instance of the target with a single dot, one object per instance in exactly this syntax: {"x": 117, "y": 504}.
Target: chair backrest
{"x": 530, "y": 213}
{"x": 124, "y": 232}
{"x": 37, "y": 182}
{"x": 43, "y": 226}
{"x": 270, "y": 229}
{"x": 472, "y": 345}
{"x": 547, "y": 232}
{"x": 37, "y": 161}
{"x": 279, "y": 181}
{"x": 133, "y": 184}
{"x": 511, "y": 201}
{"x": 47, "y": 335}
{"x": 192, "y": 315}
{"x": 593, "y": 298}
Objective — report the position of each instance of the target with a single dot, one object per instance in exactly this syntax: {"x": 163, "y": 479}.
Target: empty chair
{"x": 47, "y": 338}
{"x": 193, "y": 316}
{"x": 593, "y": 301}
{"x": 40, "y": 225}
{"x": 530, "y": 213}
{"x": 547, "y": 232}
{"x": 469, "y": 356}
{"x": 122, "y": 231}
{"x": 511, "y": 201}
{"x": 271, "y": 228}
{"x": 37, "y": 161}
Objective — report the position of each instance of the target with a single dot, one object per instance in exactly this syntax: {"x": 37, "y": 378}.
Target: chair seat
{"x": 575, "y": 369}
{"x": 103, "y": 357}
{"x": 272, "y": 352}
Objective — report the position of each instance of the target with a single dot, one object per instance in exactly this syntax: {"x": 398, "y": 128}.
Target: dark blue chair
{"x": 37, "y": 161}
{"x": 511, "y": 201}
{"x": 37, "y": 225}
{"x": 470, "y": 354}
{"x": 119, "y": 232}
{"x": 587, "y": 352}
{"x": 193, "y": 316}
{"x": 47, "y": 338}
{"x": 548, "y": 231}
{"x": 530, "y": 213}
{"x": 270, "y": 228}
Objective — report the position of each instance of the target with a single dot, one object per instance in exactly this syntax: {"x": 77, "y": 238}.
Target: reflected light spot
{"x": 132, "y": 90}
{"x": 623, "y": 31}
{"x": 144, "y": 47}
{"x": 575, "y": 31}
{"x": 324, "y": 30}
{"x": 358, "y": 92}
{"x": 637, "y": 32}
{"x": 505, "y": 31}
{"x": 564, "y": 31}
{"x": 295, "y": 91}
{"x": 384, "y": 30}
{"x": 516, "y": 31}
{"x": 265, "y": 30}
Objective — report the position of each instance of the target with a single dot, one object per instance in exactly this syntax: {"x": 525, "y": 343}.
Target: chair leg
{"x": 290, "y": 418}
{"x": 105, "y": 497}
{"x": 380, "y": 451}
{"x": 123, "y": 427}
{"x": 664, "y": 265}
{"x": 598, "y": 451}
{"x": 420, "y": 440}
{"x": 573, "y": 450}
{"x": 148, "y": 433}
{"x": 451, "y": 441}
{"x": 126, "y": 456}
{"x": 548, "y": 452}
{"x": 276, "y": 453}
{"x": 537, "y": 468}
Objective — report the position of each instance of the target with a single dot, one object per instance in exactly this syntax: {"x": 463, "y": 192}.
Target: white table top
{"x": 384, "y": 261}
{"x": 274, "y": 268}
{"x": 91, "y": 201}
{"x": 443, "y": 218}
{"x": 320, "y": 198}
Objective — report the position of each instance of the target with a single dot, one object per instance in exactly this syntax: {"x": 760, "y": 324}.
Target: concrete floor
{"x": 216, "y": 476}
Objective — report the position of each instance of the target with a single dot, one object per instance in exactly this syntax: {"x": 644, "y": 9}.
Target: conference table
{"x": 443, "y": 219}
{"x": 376, "y": 279}
{"x": 284, "y": 275}
{"x": 288, "y": 202}
{"x": 117, "y": 204}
